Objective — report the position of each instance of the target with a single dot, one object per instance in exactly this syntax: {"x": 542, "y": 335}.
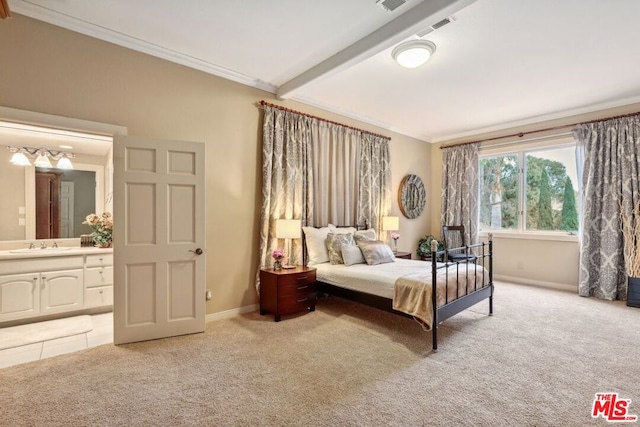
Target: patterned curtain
{"x": 610, "y": 177}
{"x": 287, "y": 178}
{"x": 374, "y": 195}
{"x": 460, "y": 189}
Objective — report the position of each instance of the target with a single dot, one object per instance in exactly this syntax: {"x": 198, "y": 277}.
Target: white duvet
{"x": 372, "y": 279}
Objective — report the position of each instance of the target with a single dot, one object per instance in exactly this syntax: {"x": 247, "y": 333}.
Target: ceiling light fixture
{"x": 42, "y": 156}
{"x": 413, "y": 53}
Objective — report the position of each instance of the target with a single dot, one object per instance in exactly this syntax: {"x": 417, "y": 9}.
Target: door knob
{"x": 197, "y": 251}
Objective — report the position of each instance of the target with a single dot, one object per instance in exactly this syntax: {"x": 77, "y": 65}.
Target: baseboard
{"x": 230, "y": 313}
{"x": 522, "y": 280}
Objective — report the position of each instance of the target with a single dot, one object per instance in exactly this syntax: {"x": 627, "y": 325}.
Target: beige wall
{"x": 51, "y": 70}
{"x": 544, "y": 262}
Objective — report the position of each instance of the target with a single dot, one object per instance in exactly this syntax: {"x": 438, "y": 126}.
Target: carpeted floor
{"x": 537, "y": 362}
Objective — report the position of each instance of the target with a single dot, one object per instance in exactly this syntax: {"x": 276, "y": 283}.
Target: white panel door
{"x": 159, "y": 236}
{"x": 67, "y": 194}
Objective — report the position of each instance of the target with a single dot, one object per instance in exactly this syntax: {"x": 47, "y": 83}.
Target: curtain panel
{"x": 374, "y": 195}
{"x": 460, "y": 189}
{"x": 610, "y": 181}
{"x": 336, "y": 160}
{"x": 287, "y": 178}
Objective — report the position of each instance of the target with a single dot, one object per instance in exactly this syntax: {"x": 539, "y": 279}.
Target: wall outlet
{"x": 520, "y": 265}
{"x": 22, "y": 210}
{"x": 22, "y": 222}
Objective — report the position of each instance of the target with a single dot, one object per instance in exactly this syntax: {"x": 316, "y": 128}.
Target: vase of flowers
{"x": 395, "y": 236}
{"x": 102, "y": 226}
{"x": 278, "y": 258}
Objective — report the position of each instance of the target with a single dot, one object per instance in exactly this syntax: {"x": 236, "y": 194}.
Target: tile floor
{"x": 102, "y": 333}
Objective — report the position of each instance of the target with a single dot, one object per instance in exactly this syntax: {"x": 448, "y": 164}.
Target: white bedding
{"x": 371, "y": 279}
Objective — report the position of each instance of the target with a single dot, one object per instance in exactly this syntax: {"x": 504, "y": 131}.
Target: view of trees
{"x": 550, "y": 196}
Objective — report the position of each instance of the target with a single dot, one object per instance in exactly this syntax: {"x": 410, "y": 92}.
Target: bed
{"x": 428, "y": 291}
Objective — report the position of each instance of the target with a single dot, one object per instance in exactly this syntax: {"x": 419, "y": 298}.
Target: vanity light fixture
{"x": 413, "y": 53}
{"x": 42, "y": 157}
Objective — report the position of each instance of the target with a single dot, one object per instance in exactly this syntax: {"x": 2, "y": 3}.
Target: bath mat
{"x": 16, "y": 336}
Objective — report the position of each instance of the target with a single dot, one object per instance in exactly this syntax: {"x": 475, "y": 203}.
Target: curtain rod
{"x": 263, "y": 103}
{"x": 521, "y": 134}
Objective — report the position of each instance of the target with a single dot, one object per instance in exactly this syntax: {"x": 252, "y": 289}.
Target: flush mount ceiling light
{"x": 413, "y": 53}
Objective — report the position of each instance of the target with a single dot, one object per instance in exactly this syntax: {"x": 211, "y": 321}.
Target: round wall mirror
{"x": 411, "y": 196}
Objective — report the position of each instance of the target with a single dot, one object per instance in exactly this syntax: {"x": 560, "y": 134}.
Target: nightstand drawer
{"x": 294, "y": 304}
{"x": 297, "y": 279}
{"x": 296, "y": 289}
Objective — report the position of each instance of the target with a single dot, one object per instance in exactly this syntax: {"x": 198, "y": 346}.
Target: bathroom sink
{"x": 37, "y": 250}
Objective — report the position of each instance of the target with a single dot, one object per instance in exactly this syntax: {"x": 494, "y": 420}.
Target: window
{"x": 532, "y": 189}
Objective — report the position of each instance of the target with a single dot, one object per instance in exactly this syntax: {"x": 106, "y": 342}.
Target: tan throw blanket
{"x": 412, "y": 292}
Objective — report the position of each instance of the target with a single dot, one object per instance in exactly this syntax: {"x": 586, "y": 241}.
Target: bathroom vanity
{"x": 41, "y": 282}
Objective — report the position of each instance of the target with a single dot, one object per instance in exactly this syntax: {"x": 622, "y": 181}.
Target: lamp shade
{"x": 64, "y": 163}
{"x": 20, "y": 159}
{"x": 42, "y": 161}
{"x": 288, "y": 228}
{"x": 390, "y": 223}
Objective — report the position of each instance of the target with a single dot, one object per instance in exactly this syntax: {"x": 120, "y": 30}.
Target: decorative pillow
{"x": 376, "y": 252}
{"x": 351, "y": 254}
{"x": 369, "y": 234}
{"x": 334, "y": 246}
{"x": 316, "y": 249}
{"x": 341, "y": 230}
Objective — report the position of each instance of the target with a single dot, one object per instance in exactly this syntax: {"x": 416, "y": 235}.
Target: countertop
{"x": 50, "y": 252}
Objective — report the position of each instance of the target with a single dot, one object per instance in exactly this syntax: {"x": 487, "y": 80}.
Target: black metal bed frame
{"x": 484, "y": 256}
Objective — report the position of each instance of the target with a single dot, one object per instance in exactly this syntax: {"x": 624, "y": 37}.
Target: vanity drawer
{"x": 100, "y": 260}
{"x": 101, "y": 276}
{"x": 98, "y": 297}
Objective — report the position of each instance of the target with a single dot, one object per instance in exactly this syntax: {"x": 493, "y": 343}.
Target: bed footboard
{"x": 478, "y": 254}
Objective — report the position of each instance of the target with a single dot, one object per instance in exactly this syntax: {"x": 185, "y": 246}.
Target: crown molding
{"x": 83, "y": 27}
{"x": 539, "y": 119}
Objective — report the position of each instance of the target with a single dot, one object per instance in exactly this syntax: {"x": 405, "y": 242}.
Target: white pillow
{"x": 351, "y": 254}
{"x": 316, "y": 249}
{"x": 376, "y": 252}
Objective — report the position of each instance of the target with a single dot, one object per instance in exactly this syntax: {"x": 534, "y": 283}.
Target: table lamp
{"x": 288, "y": 229}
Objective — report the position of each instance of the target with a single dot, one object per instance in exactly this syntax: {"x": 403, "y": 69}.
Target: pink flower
{"x": 395, "y": 236}
{"x": 278, "y": 254}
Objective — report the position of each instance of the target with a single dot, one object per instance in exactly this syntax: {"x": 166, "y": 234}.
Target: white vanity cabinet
{"x": 32, "y": 286}
{"x": 19, "y": 296}
{"x": 61, "y": 291}
{"x": 98, "y": 280}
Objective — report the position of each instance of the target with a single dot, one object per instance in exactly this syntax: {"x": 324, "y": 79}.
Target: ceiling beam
{"x": 413, "y": 20}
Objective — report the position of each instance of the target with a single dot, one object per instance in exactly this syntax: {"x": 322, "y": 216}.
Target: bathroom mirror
{"x": 86, "y": 187}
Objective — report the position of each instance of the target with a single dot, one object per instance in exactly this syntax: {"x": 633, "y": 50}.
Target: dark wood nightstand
{"x": 287, "y": 291}
{"x": 404, "y": 255}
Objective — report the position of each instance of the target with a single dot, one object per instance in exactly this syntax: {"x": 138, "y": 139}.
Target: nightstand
{"x": 287, "y": 291}
{"x": 403, "y": 255}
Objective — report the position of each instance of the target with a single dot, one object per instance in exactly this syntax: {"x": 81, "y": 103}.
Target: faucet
{"x": 43, "y": 245}
{"x": 32, "y": 246}
{"x": 55, "y": 244}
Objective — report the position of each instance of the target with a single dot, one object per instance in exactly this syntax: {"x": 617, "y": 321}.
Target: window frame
{"x": 520, "y": 150}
